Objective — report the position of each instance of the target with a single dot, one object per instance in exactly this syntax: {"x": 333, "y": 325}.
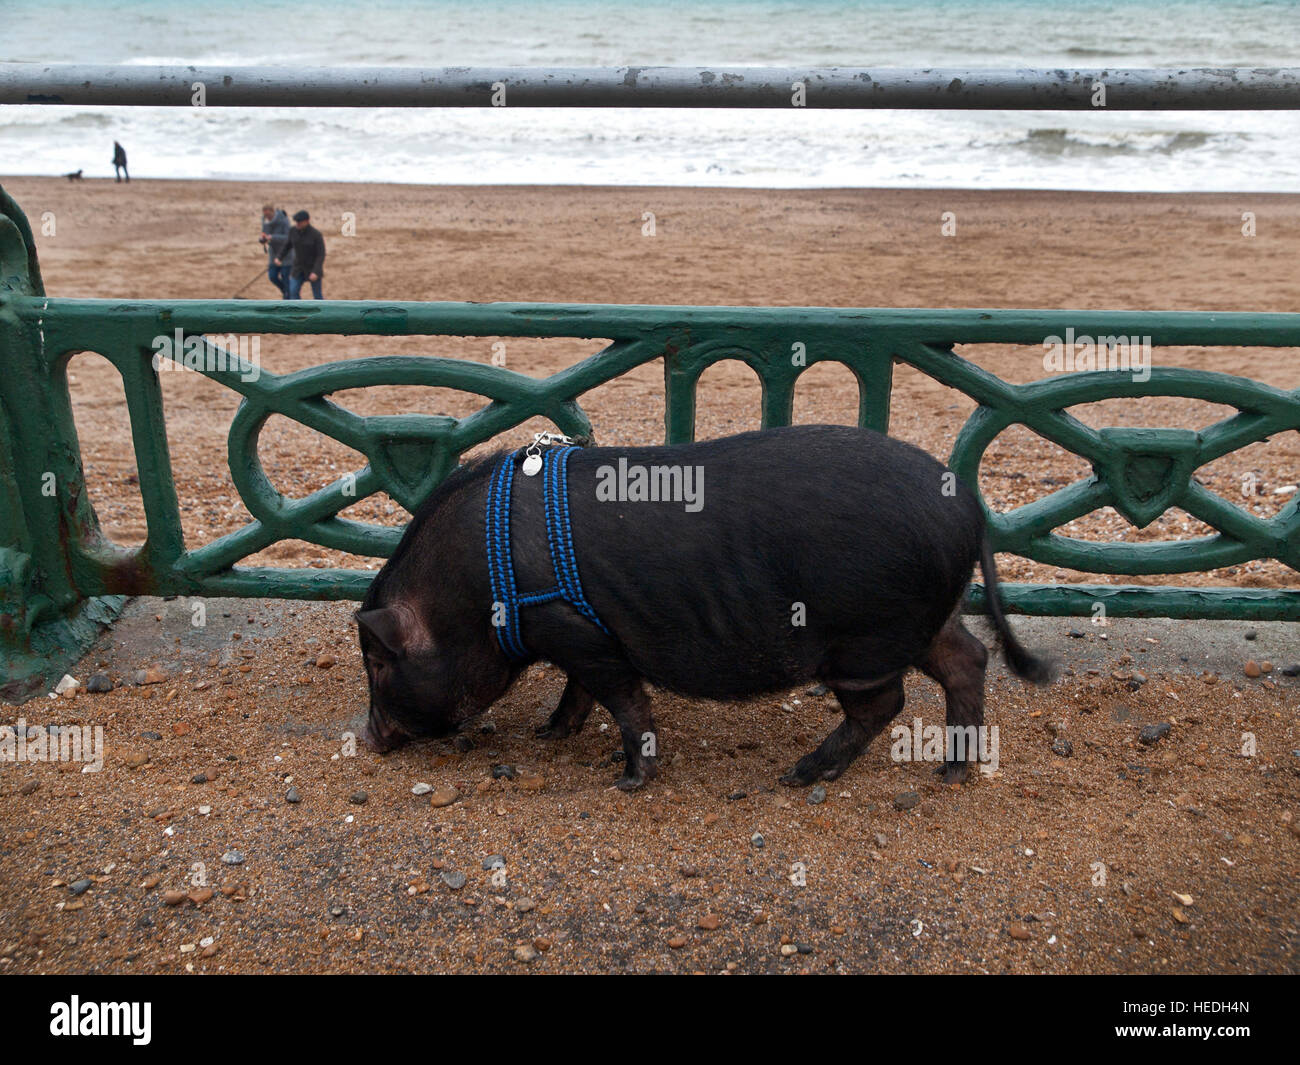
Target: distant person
{"x": 275, "y": 235}
{"x": 308, "y": 249}
{"x": 119, "y": 162}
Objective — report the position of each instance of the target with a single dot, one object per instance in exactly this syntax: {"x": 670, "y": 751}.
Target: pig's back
{"x": 856, "y": 535}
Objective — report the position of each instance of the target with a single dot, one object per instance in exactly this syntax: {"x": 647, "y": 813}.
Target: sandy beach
{"x": 845, "y": 248}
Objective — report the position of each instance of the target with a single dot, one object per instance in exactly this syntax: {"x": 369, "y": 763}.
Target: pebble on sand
{"x": 906, "y": 800}
{"x": 99, "y": 682}
{"x": 1153, "y": 734}
{"x": 359, "y": 798}
{"x": 453, "y": 879}
{"x": 421, "y": 788}
{"x": 444, "y": 796}
{"x": 233, "y": 857}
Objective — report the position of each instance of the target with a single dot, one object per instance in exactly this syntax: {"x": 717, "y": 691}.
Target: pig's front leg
{"x": 570, "y": 714}
{"x": 623, "y": 695}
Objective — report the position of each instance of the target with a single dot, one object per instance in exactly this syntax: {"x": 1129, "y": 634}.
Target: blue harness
{"x": 559, "y": 538}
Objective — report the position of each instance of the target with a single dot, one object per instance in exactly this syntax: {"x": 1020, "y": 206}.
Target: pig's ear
{"x": 394, "y": 628}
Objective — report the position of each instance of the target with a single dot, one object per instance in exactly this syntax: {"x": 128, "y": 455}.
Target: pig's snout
{"x": 381, "y": 737}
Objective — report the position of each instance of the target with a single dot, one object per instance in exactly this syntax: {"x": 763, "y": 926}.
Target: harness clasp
{"x": 533, "y": 456}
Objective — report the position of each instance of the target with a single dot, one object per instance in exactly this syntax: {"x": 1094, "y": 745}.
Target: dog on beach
{"x": 74, "y": 176}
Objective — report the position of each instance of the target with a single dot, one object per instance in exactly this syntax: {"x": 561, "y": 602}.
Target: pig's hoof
{"x": 954, "y": 772}
{"x": 805, "y": 771}
{"x": 637, "y": 773}
{"x": 550, "y": 731}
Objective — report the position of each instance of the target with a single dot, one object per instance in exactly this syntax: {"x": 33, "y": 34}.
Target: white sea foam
{"x": 1142, "y": 151}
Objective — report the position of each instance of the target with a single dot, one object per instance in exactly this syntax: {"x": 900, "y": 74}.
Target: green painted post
{"x": 46, "y": 620}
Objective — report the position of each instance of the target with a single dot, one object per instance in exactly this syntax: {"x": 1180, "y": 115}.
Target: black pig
{"x": 810, "y": 553}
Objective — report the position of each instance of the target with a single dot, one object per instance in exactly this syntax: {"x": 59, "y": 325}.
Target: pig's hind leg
{"x": 957, "y": 660}
{"x": 866, "y": 713}
{"x": 569, "y": 715}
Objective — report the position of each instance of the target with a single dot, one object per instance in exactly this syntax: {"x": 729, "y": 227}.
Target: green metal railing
{"x": 60, "y": 577}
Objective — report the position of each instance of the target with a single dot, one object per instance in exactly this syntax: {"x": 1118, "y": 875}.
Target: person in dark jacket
{"x": 119, "y": 162}
{"x": 308, "y": 247}
{"x": 275, "y": 235}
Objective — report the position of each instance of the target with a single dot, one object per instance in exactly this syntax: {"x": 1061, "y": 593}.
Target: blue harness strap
{"x": 507, "y": 602}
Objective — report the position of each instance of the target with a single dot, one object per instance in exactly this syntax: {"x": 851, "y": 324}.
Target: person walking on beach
{"x": 308, "y": 249}
{"x": 119, "y": 162}
{"x": 275, "y": 235}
